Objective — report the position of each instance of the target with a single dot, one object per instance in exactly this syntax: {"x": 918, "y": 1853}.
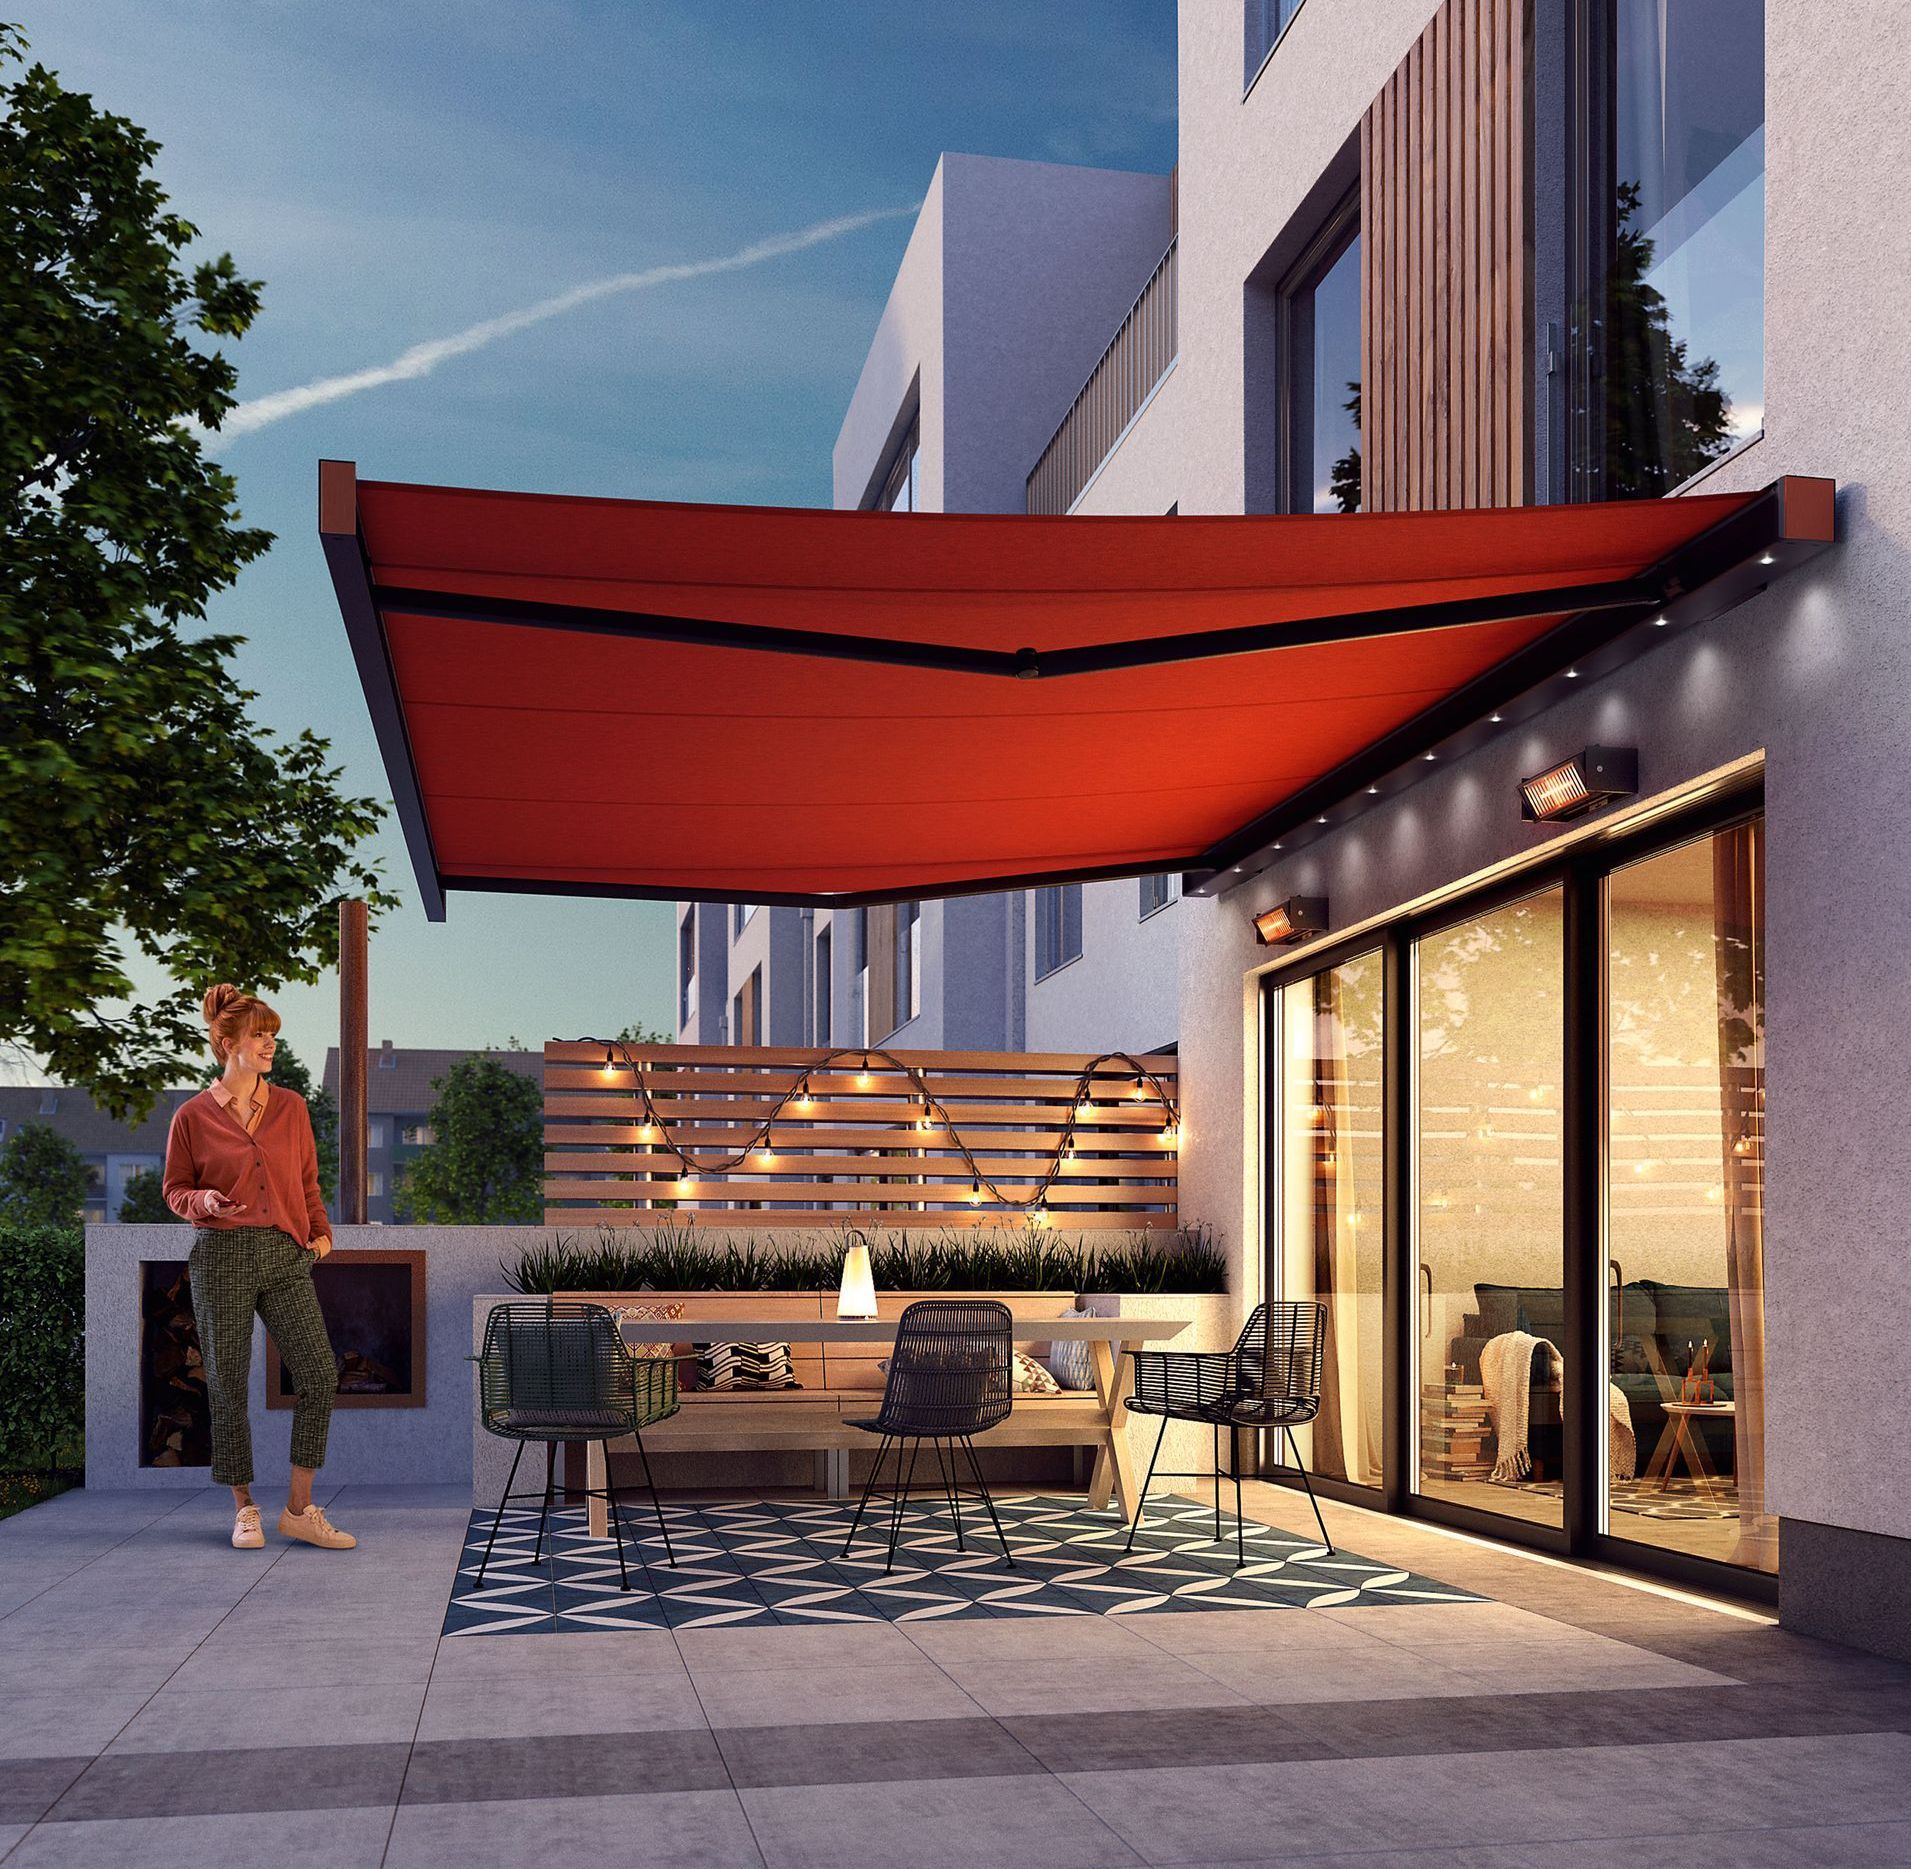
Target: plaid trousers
{"x": 236, "y": 1271}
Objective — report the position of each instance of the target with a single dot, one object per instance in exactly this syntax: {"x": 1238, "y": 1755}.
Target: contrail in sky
{"x": 422, "y": 359}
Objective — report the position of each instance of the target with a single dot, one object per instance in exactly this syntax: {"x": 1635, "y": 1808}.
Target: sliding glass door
{"x": 1329, "y": 1029}
{"x": 1488, "y": 1211}
{"x": 1516, "y": 1150}
{"x": 1685, "y": 1200}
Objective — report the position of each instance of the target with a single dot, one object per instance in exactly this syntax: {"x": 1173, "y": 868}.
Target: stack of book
{"x": 1456, "y": 1436}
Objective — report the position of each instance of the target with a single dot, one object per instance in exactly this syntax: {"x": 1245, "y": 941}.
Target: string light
{"x": 1140, "y": 1091}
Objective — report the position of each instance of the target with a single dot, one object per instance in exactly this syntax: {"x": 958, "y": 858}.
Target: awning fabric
{"x": 625, "y": 697}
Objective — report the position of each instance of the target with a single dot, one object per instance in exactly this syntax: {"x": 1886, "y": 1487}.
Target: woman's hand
{"x": 320, "y": 1246}
{"x": 211, "y": 1204}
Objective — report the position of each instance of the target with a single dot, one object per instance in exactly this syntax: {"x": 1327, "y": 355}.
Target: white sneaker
{"x": 312, "y": 1527}
{"x": 247, "y": 1534}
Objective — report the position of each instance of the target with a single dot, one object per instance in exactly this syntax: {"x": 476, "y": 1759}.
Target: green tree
{"x": 140, "y": 805}
{"x": 1344, "y": 484}
{"x": 44, "y": 1179}
{"x": 1666, "y": 416}
{"x": 638, "y": 1034}
{"x": 290, "y": 1070}
{"x": 485, "y": 1165}
{"x": 144, "y": 1202}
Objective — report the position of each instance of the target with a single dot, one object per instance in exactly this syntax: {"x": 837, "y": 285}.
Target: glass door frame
{"x": 1580, "y": 872}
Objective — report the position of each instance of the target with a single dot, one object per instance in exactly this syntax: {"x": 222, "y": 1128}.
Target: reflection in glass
{"x": 1332, "y": 1168}
{"x": 1684, "y": 365}
{"x": 1489, "y": 1209}
{"x": 1685, "y": 1153}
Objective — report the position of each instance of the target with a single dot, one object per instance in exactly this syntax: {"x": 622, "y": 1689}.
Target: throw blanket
{"x": 1506, "y": 1366}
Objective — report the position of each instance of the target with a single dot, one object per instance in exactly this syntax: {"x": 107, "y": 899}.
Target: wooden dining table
{"x": 1097, "y": 1418}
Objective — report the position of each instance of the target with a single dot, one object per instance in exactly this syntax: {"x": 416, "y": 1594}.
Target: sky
{"x": 401, "y": 174}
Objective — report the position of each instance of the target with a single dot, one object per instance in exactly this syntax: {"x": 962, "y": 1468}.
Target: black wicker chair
{"x": 1270, "y": 1379}
{"x": 556, "y": 1371}
{"x": 951, "y": 1377}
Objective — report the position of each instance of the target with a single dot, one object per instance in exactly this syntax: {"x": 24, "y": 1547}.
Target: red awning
{"x": 622, "y": 697}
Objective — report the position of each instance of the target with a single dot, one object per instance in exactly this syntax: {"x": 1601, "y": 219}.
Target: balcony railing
{"x": 1137, "y": 358}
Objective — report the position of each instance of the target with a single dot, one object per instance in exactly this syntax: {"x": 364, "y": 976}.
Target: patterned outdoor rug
{"x": 1649, "y": 1499}
{"x": 763, "y": 1562}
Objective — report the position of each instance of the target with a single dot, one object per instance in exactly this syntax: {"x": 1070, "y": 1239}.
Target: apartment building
{"x": 114, "y": 1152}
{"x": 1423, "y": 255}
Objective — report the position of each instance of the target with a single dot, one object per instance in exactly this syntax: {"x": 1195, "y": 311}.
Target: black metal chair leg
{"x": 869, "y": 1486}
{"x": 951, "y": 1485}
{"x": 902, "y": 1495}
{"x": 1141, "y": 1499}
{"x": 543, "y": 1517}
{"x": 1294, "y": 1446}
{"x": 616, "y": 1521}
{"x": 1234, "y": 1461}
{"x": 988, "y": 1499}
{"x": 498, "y": 1517}
{"x": 657, "y": 1504}
{"x": 1217, "y": 1482}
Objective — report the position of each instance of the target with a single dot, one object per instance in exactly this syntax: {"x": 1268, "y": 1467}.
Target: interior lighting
{"x": 1585, "y": 783}
{"x": 1291, "y": 921}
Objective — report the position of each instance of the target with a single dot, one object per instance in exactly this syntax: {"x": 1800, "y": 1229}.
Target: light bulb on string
{"x": 862, "y": 1076}
{"x": 765, "y": 1151}
{"x": 1140, "y": 1091}
{"x": 804, "y": 1100}
{"x": 975, "y": 1193}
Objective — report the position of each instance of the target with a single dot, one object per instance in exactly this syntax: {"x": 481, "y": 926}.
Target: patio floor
{"x": 170, "y": 1700}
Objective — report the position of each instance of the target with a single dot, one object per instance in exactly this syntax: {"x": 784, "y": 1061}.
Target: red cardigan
{"x": 272, "y": 1173}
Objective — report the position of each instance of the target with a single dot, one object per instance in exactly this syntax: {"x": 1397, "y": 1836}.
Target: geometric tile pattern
{"x": 765, "y": 1563}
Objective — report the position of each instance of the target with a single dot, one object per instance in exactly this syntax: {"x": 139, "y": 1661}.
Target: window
{"x": 375, "y": 1132}
{"x": 747, "y": 1027}
{"x": 417, "y": 1135}
{"x": 901, "y": 485}
{"x": 1156, "y": 893}
{"x": 820, "y": 1022}
{"x": 1058, "y": 927}
{"x": 859, "y": 926}
{"x": 1669, "y": 287}
{"x": 686, "y": 968}
{"x": 375, "y": 1184}
{"x": 1263, "y": 23}
{"x": 740, "y": 912}
{"x": 49, "y": 1102}
{"x": 1320, "y": 371}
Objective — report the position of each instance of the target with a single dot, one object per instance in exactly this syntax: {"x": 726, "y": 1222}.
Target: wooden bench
{"x": 838, "y": 1364}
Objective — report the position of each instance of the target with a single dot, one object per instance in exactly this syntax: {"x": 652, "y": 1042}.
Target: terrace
{"x": 171, "y": 1700}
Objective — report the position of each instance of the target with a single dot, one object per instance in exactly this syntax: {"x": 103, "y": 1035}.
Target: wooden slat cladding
{"x": 1445, "y": 268}
{"x": 853, "y": 1155}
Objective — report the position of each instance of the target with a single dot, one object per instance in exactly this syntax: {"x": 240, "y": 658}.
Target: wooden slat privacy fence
{"x": 857, "y": 1150}
{"x": 1445, "y": 268}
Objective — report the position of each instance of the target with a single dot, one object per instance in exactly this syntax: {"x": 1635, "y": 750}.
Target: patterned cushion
{"x": 1032, "y": 1379}
{"x": 1072, "y": 1364}
{"x": 650, "y": 1314}
{"x": 744, "y": 1366}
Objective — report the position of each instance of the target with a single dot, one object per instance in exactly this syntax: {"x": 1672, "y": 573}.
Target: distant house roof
{"x": 398, "y": 1078}
{"x": 72, "y": 1114}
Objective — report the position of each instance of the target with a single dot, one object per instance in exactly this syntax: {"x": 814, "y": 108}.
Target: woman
{"x": 242, "y": 1167}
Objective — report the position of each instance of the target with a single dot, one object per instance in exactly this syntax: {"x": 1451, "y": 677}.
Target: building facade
{"x": 1626, "y": 1088}
{"x": 114, "y": 1152}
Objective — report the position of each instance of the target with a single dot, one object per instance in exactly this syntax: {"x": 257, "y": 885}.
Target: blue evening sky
{"x": 400, "y": 171}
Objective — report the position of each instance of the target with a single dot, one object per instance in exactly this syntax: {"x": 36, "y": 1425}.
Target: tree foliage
{"x": 139, "y": 804}
{"x": 44, "y": 1179}
{"x": 144, "y": 1202}
{"x": 485, "y": 1165}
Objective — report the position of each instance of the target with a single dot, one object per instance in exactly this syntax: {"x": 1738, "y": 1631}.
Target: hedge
{"x": 42, "y": 1345}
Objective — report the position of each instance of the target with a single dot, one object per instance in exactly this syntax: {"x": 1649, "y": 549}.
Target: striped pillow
{"x": 745, "y": 1366}
{"x": 1071, "y": 1362}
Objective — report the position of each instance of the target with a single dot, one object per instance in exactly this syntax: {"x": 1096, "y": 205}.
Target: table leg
{"x": 595, "y": 1468}
{"x": 1114, "y": 1464}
